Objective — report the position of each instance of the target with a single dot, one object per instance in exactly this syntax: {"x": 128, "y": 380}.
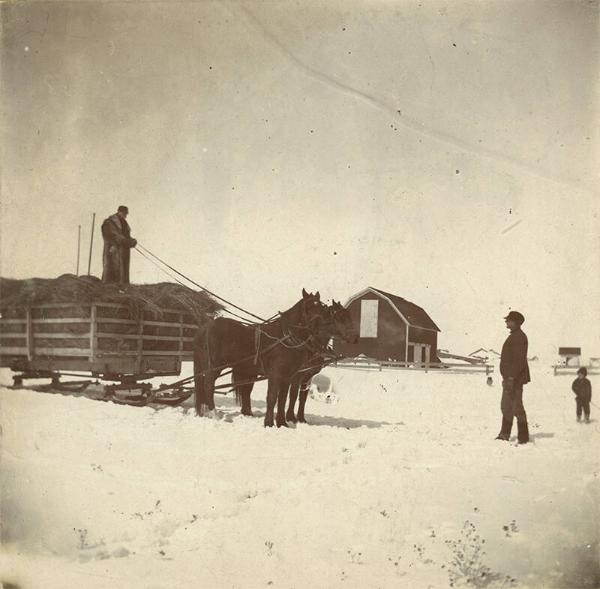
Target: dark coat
{"x": 582, "y": 388}
{"x": 513, "y": 360}
{"x": 117, "y": 243}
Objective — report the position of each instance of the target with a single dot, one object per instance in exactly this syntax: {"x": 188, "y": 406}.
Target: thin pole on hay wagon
{"x": 91, "y": 243}
{"x": 78, "y": 248}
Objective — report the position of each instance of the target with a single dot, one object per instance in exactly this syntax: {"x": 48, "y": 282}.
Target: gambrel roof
{"x": 410, "y": 313}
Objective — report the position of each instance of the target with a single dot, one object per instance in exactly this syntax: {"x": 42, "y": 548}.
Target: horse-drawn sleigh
{"x": 125, "y": 344}
{"x": 76, "y": 326}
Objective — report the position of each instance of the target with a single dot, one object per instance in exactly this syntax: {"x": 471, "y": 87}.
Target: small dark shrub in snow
{"x": 510, "y": 528}
{"x": 420, "y": 552}
{"x": 467, "y": 568}
{"x": 269, "y": 546}
{"x": 355, "y": 557}
{"x": 395, "y": 561}
{"x": 82, "y": 538}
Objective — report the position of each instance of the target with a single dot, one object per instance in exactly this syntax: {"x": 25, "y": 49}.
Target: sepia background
{"x": 446, "y": 152}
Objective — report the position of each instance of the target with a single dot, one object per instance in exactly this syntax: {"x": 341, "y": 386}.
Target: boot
{"x": 505, "y": 430}
{"x": 523, "y": 431}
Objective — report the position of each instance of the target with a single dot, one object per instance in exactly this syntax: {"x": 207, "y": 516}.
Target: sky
{"x": 447, "y": 152}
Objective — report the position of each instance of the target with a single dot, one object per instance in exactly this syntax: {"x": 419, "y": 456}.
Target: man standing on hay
{"x": 515, "y": 373}
{"x": 117, "y": 243}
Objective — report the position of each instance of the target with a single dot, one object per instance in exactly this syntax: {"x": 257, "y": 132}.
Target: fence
{"x": 445, "y": 367}
{"x": 561, "y": 369}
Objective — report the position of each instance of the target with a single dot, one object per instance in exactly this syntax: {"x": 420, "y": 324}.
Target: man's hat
{"x": 122, "y": 209}
{"x": 582, "y": 370}
{"x": 516, "y": 316}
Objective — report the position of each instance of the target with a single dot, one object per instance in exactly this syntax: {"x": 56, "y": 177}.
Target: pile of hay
{"x": 69, "y": 288}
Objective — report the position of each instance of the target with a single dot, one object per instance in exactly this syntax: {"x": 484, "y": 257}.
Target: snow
{"x": 380, "y": 490}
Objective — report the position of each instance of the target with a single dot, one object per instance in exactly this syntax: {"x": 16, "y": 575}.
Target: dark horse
{"x": 340, "y": 325}
{"x": 276, "y": 349}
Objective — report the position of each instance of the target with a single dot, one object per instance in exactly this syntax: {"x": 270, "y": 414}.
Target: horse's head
{"x": 336, "y": 323}
{"x": 343, "y": 323}
{"x": 313, "y": 310}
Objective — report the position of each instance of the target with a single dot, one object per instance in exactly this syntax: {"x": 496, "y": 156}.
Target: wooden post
{"x": 91, "y": 243}
{"x": 180, "y": 340}
{"x": 181, "y": 333}
{"x": 93, "y": 331}
{"x": 406, "y": 346}
{"x": 78, "y": 248}
{"x": 140, "y": 349}
{"x": 29, "y": 335}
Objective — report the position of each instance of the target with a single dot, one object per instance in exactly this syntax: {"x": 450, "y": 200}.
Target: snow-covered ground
{"x": 398, "y": 484}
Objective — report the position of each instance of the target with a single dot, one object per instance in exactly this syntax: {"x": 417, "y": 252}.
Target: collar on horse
{"x": 290, "y": 339}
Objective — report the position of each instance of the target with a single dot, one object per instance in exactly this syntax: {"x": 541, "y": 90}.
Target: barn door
{"x": 418, "y": 354}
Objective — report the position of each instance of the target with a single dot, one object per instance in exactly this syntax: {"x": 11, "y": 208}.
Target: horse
{"x": 340, "y": 325}
{"x": 275, "y": 349}
{"x": 336, "y": 322}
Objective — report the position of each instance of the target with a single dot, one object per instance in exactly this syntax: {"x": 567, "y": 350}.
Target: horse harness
{"x": 294, "y": 342}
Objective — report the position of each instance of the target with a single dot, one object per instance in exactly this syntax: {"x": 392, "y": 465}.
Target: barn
{"x": 391, "y": 328}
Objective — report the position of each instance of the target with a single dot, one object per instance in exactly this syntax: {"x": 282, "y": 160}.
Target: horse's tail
{"x": 238, "y": 397}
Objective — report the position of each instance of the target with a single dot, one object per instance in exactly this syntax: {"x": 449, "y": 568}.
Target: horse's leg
{"x": 243, "y": 391}
{"x": 246, "y": 405}
{"x": 199, "y": 397}
{"x": 199, "y": 400}
{"x": 281, "y": 399}
{"x": 272, "y": 396}
{"x": 209, "y": 388}
{"x": 204, "y": 377}
{"x": 235, "y": 378}
{"x": 205, "y": 392}
{"x": 303, "y": 394}
{"x": 294, "y": 387}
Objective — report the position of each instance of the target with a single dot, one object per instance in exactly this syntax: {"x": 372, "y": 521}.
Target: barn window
{"x": 369, "y": 309}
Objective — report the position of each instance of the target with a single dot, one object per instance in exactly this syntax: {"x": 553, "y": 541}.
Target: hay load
{"x": 71, "y": 317}
{"x": 138, "y": 298}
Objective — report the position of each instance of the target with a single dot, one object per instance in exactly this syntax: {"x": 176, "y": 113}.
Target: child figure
{"x": 582, "y": 388}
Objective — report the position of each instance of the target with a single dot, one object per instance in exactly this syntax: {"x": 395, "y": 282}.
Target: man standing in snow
{"x": 117, "y": 243}
{"x": 515, "y": 373}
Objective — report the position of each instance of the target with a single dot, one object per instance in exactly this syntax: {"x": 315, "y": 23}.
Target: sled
{"x": 101, "y": 341}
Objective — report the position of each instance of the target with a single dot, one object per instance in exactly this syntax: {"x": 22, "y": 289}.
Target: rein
{"x": 259, "y": 332}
